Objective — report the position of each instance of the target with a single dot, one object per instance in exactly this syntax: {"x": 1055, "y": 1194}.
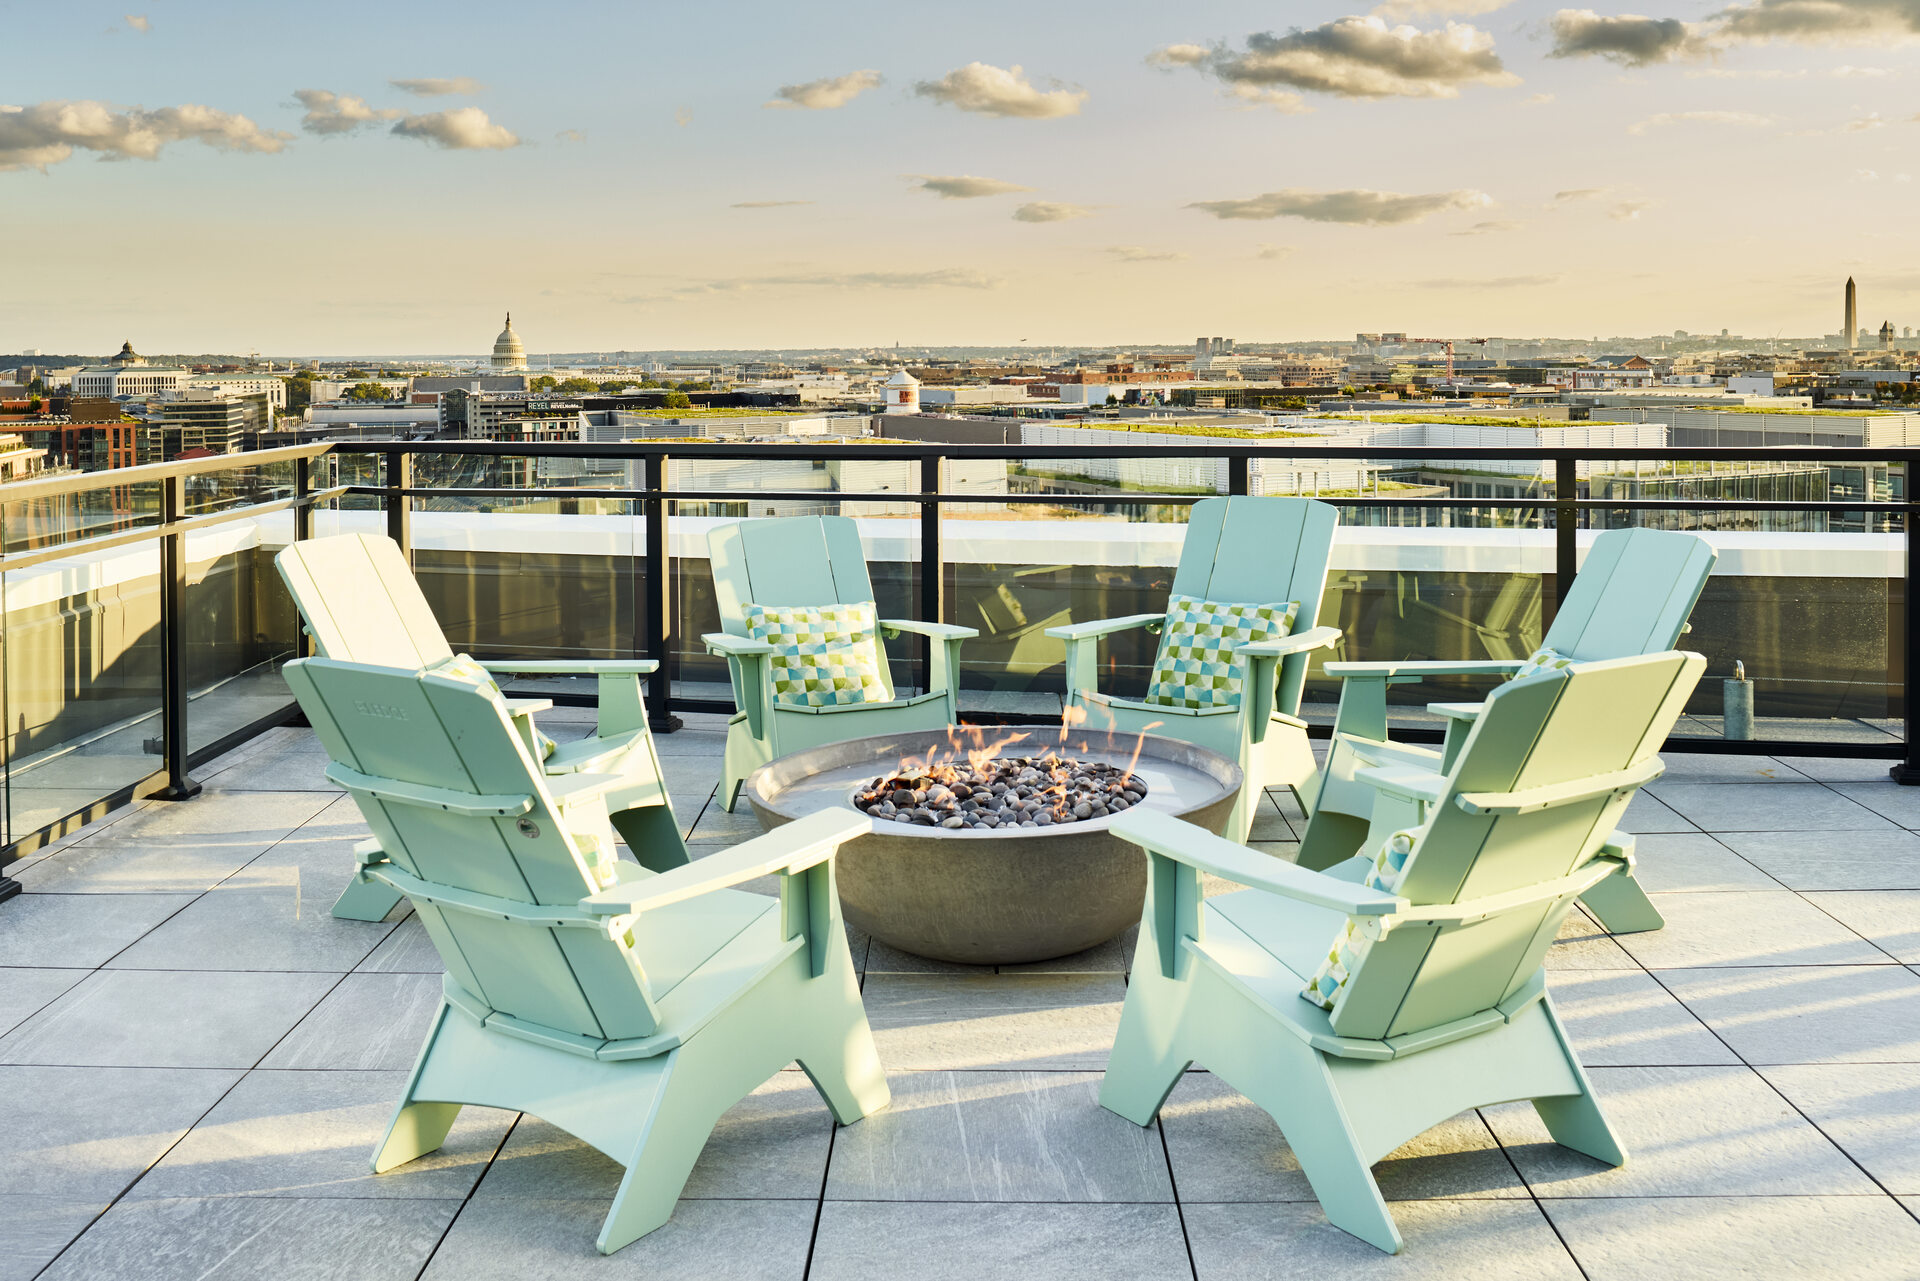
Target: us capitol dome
{"x": 508, "y": 351}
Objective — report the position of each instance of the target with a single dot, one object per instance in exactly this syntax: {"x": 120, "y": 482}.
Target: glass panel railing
{"x": 240, "y": 627}
{"x": 82, "y": 682}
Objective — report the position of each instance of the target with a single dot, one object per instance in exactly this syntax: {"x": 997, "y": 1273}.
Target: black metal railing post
{"x": 1907, "y": 772}
{"x": 1239, "y": 475}
{"x": 399, "y": 508}
{"x": 660, "y": 715}
{"x": 933, "y": 572}
{"x": 173, "y": 646}
{"x": 1566, "y": 522}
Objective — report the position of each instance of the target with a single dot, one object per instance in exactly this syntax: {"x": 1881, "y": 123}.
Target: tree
{"x": 300, "y": 391}
{"x": 367, "y": 391}
{"x": 37, "y": 386}
{"x": 545, "y": 382}
{"x": 615, "y": 387}
{"x": 679, "y": 400}
{"x": 693, "y": 386}
{"x": 577, "y": 387}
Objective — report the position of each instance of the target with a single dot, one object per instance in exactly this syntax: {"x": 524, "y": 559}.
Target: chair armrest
{"x": 793, "y": 848}
{"x": 1298, "y": 643}
{"x": 571, "y": 789}
{"x": 735, "y": 646}
{"x": 1530, "y": 799}
{"x": 1404, "y": 781}
{"x": 938, "y": 631}
{"x": 1103, "y": 627}
{"x": 1417, "y": 669}
{"x": 1458, "y": 711}
{"x": 575, "y": 666}
{"x": 517, "y": 707}
{"x": 1198, "y": 848}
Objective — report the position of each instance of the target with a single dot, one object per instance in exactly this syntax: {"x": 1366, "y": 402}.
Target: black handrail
{"x": 397, "y": 489}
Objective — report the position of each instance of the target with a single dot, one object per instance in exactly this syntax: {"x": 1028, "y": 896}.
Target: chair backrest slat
{"x": 1633, "y": 594}
{"x": 789, "y": 560}
{"x": 414, "y": 727}
{"x": 1576, "y": 724}
{"x": 1261, "y": 551}
{"x": 361, "y": 602}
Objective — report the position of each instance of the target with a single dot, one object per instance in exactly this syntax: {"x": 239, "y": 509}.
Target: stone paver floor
{"x": 197, "y": 1060}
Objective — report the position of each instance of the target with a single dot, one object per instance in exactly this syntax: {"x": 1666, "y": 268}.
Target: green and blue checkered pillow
{"x": 823, "y": 655}
{"x": 1388, "y": 873}
{"x": 1196, "y": 666}
{"x": 1544, "y": 662}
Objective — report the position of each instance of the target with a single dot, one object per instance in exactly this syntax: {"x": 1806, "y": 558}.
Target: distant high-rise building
{"x": 1886, "y": 336}
{"x": 1852, "y": 326}
{"x": 508, "y": 352}
{"x": 1203, "y": 346}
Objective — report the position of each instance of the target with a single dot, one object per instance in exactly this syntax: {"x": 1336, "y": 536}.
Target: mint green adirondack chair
{"x": 1240, "y": 551}
{"x": 630, "y": 1008}
{"x": 361, "y": 604}
{"x": 808, "y": 561}
{"x": 1444, "y": 1004}
{"x": 1632, "y": 596}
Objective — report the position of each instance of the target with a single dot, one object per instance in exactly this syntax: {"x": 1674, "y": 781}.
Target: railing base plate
{"x": 9, "y": 887}
{"x": 665, "y": 724}
{"x": 1904, "y": 774}
{"x": 185, "y": 790}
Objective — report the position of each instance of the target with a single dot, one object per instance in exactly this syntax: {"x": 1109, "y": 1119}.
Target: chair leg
{"x": 683, "y": 1119}
{"x": 846, "y": 1070}
{"x": 1144, "y": 1067}
{"x": 1332, "y": 1162}
{"x": 416, "y": 1129}
{"x": 1575, "y": 1120}
{"x": 365, "y": 901}
{"x": 1622, "y": 906}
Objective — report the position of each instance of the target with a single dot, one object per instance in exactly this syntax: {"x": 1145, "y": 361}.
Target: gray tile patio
{"x": 200, "y": 1058}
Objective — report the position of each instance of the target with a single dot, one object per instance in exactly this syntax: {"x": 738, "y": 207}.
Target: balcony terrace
{"x": 199, "y": 1058}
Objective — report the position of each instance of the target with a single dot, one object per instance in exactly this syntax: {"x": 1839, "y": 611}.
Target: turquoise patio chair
{"x": 361, "y": 604}
{"x": 805, "y": 562}
{"x": 1632, "y": 596}
{"x": 1245, "y": 552}
{"x": 1361, "y": 1006}
{"x": 630, "y": 1008}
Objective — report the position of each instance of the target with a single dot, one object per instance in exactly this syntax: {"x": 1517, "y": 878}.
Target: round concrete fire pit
{"x": 995, "y": 897}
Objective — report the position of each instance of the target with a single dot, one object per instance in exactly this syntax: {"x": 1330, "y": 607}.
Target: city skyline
{"x": 828, "y": 179}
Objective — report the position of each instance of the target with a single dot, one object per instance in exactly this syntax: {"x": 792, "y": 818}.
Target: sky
{"x": 356, "y": 178}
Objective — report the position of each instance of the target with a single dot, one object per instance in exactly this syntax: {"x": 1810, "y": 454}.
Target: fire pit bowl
{"x": 1007, "y": 895}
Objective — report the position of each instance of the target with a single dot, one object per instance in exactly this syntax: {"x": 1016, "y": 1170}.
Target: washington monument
{"x": 1852, "y": 329}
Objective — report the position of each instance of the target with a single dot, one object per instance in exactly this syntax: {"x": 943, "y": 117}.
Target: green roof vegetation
{"x": 1185, "y": 429}
{"x": 1465, "y": 420}
{"x": 1769, "y": 409}
{"x": 723, "y": 411}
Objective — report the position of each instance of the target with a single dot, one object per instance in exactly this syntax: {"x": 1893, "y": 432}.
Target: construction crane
{"x": 1448, "y": 344}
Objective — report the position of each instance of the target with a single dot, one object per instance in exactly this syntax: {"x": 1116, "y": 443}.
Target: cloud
{"x": 1494, "y": 227}
{"x": 439, "y": 86}
{"x": 1871, "y": 120}
{"x": 964, "y": 186}
{"x": 1140, "y": 253}
{"x": 1355, "y": 208}
{"x": 1051, "y": 211}
{"x": 768, "y": 204}
{"x": 1820, "y": 21}
{"x": 461, "y": 129}
{"x": 824, "y": 95}
{"x": 1867, "y": 175}
{"x": 1537, "y": 100}
{"x": 571, "y": 135}
{"x": 1354, "y": 57}
{"x": 1665, "y": 118}
{"x": 1272, "y": 253}
{"x": 1438, "y": 8}
{"x": 138, "y": 21}
{"x": 1486, "y": 282}
{"x": 330, "y": 113}
{"x": 1576, "y": 194}
{"x": 939, "y": 278}
{"x": 682, "y": 116}
{"x": 47, "y": 133}
{"x": 1000, "y": 91}
{"x": 1628, "y": 38}
{"x": 1629, "y": 210}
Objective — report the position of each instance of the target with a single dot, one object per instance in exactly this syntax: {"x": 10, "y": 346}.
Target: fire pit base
{"x": 998, "y": 897}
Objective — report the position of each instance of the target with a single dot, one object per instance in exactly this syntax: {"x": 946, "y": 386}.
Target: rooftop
{"x": 200, "y": 1058}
